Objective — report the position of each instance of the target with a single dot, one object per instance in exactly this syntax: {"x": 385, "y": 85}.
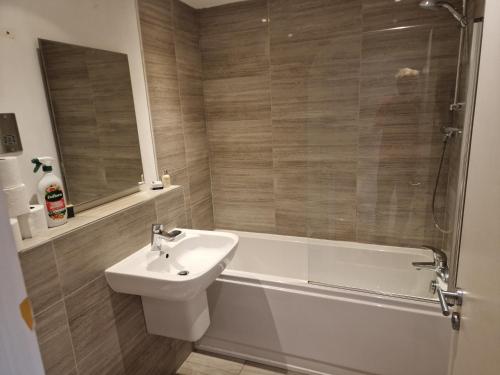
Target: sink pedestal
{"x": 183, "y": 320}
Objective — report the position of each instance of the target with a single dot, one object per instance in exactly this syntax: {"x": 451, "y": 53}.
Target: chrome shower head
{"x": 435, "y": 4}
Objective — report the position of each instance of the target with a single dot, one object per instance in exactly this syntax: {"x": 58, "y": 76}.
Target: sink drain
{"x": 183, "y": 273}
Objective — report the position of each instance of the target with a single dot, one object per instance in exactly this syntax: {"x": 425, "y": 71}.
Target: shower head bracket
{"x": 435, "y": 4}
{"x": 457, "y": 107}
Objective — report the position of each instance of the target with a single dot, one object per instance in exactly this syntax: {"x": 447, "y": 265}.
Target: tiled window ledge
{"x": 92, "y": 215}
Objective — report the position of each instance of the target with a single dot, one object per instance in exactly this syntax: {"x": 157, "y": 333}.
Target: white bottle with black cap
{"x": 51, "y": 193}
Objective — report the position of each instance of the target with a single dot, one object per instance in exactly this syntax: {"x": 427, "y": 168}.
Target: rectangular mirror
{"x": 91, "y": 102}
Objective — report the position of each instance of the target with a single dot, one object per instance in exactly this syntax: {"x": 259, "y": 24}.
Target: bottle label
{"x": 54, "y": 201}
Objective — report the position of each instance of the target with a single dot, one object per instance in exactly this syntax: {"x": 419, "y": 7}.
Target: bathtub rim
{"x": 320, "y": 241}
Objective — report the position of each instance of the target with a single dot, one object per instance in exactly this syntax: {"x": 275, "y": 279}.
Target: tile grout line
{"x": 271, "y": 117}
{"x": 98, "y": 345}
{"x": 65, "y": 307}
{"x": 205, "y": 120}
{"x": 356, "y": 196}
{"x": 101, "y": 273}
{"x": 187, "y": 188}
{"x": 77, "y": 290}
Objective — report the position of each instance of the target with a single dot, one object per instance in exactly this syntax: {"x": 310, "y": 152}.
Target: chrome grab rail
{"x": 442, "y": 301}
{"x": 447, "y": 299}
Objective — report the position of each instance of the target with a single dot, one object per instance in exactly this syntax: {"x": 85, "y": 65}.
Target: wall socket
{"x": 10, "y": 140}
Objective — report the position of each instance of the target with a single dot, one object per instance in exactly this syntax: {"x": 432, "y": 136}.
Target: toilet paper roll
{"x": 9, "y": 172}
{"x": 17, "y": 200}
{"x": 33, "y": 223}
{"x": 16, "y": 232}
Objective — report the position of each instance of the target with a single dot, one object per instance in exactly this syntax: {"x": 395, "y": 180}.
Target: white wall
{"x": 104, "y": 24}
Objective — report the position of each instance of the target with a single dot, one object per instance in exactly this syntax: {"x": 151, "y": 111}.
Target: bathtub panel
{"x": 306, "y": 327}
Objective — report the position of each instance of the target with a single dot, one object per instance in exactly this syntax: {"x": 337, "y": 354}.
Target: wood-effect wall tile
{"x": 403, "y": 104}
{"x": 386, "y": 14}
{"x": 92, "y": 322}
{"x": 161, "y": 73}
{"x": 55, "y": 340}
{"x": 170, "y": 33}
{"x": 302, "y": 20}
{"x": 84, "y": 254}
{"x": 291, "y": 96}
{"x": 315, "y": 110}
{"x": 41, "y": 277}
{"x": 199, "y": 180}
{"x": 91, "y": 329}
{"x": 203, "y": 215}
{"x": 110, "y": 336}
{"x": 234, "y": 40}
{"x": 190, "y": 73}
{"x": 171, "y": 210}
{"x": 334, "y": 132}
{"x": 235, "y": 49}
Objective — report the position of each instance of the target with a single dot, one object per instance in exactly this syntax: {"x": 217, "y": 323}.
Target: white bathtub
{"x": 264, "y": 309}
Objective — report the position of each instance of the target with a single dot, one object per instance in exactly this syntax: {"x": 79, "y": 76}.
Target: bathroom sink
{"x": 173, "y": 282}
{"x": 195, "y": 259}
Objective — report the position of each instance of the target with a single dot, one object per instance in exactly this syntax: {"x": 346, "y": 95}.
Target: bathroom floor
{"x": 208, "y": 364}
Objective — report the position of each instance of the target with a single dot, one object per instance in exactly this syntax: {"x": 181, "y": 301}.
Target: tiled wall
{"x": 314, "y": 129}
{"x": 235, "y": 50}
{"x": 172, "y": 58}
{"x": 84, "y": 327}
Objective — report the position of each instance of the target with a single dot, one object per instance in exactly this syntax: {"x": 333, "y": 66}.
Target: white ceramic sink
{"x": 175, "y": 303}
{"x": 203, "y": 254}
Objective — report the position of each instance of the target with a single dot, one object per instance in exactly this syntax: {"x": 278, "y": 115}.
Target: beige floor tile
{"x": 202, "y": 364}
{"x": 254, "y": 369}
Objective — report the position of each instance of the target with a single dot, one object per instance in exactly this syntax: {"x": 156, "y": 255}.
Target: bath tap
{"x": 440, "y": 264}
{"x": 158, "y": 234}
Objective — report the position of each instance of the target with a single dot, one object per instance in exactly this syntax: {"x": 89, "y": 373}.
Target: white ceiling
{"x": 198, "y": 4}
